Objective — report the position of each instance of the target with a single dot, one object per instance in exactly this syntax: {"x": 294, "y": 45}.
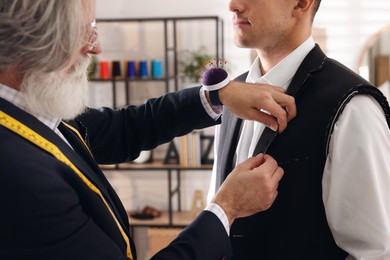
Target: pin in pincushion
{"x": 212, "y": 80}
{"x": 215, "y": 78}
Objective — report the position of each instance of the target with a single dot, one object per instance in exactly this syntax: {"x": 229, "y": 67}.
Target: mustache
{"x": 81, "y": 65}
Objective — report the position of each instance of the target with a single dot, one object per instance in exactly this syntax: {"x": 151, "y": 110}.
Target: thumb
{"x": 254, "y": 162}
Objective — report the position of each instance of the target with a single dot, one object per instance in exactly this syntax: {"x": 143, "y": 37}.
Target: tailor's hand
{"x": 250, "y": 188}
{"x": 246, "y": 99}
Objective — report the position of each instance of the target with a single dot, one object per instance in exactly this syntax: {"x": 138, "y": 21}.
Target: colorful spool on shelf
{"x": 104, "y": 70}
{"x": 157, "y": 70}
{"x": 143, "y": 69}
{"x": 116, "y": 69}
{"x": 132, "y": 69}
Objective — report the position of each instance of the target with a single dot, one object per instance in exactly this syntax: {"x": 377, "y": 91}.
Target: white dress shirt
{"x": 356, "y": 179}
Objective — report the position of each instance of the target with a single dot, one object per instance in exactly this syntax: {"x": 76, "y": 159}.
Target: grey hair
{"x": 39, "y": 35}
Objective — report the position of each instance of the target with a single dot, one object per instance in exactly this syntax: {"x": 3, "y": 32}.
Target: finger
{"x": 276, "y": 88}
{"x": 278, "y": 119}
{"x": 282, "y": 118}
{"x": 270, "y": 199}
{"x": 274, "y": 195}
{"x": 268, "y": 166}
{"x": 254, "y": 162}
{"x": 288, "y": 102}
{"x": 278, "y": 174}
{"x": 266, "y": 119}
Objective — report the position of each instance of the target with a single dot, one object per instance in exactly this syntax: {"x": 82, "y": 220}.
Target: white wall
{"x": 349, "y": 23}
{"x": 178, "y": 8}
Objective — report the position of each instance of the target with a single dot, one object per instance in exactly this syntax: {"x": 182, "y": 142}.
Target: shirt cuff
{"x": 213, "y": 111}
{"x": 220, "y": 213}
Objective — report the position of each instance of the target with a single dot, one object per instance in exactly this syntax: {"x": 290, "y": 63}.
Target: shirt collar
{"x": 18, "y": 99}
{"x": 282, "y": 73}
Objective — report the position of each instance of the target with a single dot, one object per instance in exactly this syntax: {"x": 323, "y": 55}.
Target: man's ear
{"x": 302, "y": 8}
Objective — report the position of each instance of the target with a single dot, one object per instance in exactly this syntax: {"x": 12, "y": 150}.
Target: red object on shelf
{"x": 104, "y": 70}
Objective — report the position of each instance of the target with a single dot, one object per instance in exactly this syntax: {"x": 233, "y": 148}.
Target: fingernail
{"x": 273, "y": 128}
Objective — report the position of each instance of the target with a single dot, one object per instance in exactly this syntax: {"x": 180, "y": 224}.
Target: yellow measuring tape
{"x": 29, "y": 134}
{"x": 78, "y": 134}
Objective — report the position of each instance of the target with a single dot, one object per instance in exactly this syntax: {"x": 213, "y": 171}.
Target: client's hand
{"x": 250, "y": 188}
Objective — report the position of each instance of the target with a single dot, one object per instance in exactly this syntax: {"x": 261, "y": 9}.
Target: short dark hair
{"x": 316, "y": 6}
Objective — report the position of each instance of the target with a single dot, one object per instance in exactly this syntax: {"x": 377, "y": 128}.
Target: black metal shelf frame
{"x": 170, "y": 25}
{"x": 219, "y": 47}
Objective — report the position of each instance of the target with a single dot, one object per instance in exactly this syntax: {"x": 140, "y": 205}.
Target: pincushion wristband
{"x": 213, "y": 80}
{"x": 218, "y": 85}
{"x": 214, "y": 98}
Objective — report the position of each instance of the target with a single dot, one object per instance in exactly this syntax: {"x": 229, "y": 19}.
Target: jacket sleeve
{"x": 205, "y": 238}
{"x": 117, "y": 136}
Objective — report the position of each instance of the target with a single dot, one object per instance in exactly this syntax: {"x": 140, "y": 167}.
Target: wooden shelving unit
{"x": 170, "y": 82}
{"x": 179, "y": 219}
{"x": 170, "y": 218}
{"x": 170, "y": 46}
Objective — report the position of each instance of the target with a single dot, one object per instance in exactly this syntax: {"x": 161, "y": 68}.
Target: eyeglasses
{"x": 93, "y": 37}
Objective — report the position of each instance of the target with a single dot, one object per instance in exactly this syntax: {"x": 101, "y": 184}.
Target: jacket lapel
{"x": 80, "y": 148}
{"x": 80, "y": 156}
{"x": 93, "y": 172}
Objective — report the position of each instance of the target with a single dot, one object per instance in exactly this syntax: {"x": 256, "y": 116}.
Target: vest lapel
{"x": 227, "y": 148}
{"x": 230, "y": 131}
{"x": 229, "y": 134}
{"x": 265, "y": 141}
{"x": 312, "y": 63}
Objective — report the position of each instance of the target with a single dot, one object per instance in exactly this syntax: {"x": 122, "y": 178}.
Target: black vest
{"x": 295, "y": 227}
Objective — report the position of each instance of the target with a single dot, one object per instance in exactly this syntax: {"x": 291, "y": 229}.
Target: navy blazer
{"x": 48, "y": 212}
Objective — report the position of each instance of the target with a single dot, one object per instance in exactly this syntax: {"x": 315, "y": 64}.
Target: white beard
{"x": 57, "y": 94}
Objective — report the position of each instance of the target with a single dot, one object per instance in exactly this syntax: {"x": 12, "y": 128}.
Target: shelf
{"x": 169, "y": 42}
{"x": 179, "y": 219}
{"x": 155, "y": 166}
{"x": 173, "y": 217}
{"x": 130, "y": 79}
{"x": 159, "y": 19}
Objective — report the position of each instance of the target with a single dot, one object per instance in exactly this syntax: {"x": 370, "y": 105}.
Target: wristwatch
{"x": 213, "y": 80}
